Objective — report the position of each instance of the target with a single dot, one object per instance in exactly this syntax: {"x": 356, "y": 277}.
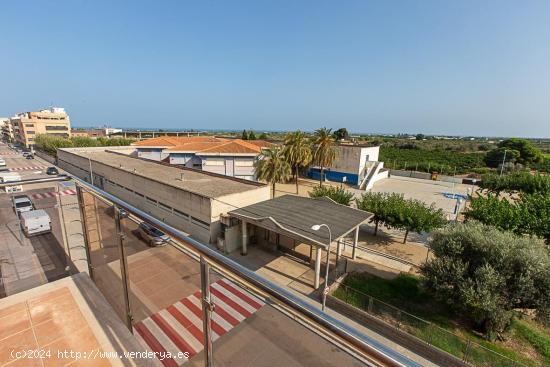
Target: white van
{"x": 9, "y": 177}
{"x": 2, "y": 162}
{"x": 35, "y": 222}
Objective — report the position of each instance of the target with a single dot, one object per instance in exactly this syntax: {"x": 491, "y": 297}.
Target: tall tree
{"x": 324, "y": 151}
{"x": 297, "y": 152}
{"x": 272, "y": 167}
{"x": 245, "y": 135}
{"x": 528, "y": 153}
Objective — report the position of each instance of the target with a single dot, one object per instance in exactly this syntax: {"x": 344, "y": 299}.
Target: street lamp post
{"x": 503, "y": 161}
{"x": 317, "y": 227}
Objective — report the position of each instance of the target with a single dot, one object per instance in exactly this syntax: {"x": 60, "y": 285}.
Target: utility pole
{"x": 503, "y": 161}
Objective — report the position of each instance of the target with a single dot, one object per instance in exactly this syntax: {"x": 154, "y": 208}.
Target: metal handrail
{"x": 360, "y": 345}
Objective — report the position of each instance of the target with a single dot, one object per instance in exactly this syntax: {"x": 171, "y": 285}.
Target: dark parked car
{"x": 52, "y": 171}
{"x": 151, "y": 235}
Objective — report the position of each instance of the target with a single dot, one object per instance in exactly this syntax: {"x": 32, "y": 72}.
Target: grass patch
{"x": 443, "y": 329}
{"x": 537, "y": 339}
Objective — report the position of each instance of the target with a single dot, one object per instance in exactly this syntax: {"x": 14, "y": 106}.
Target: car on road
{"x": 21, "y": 204}
{"x": 52, "y": 171}
{"x": 29, "y": 156}
{"x": 151, "y": 235}
{"x": 2, "y": 162}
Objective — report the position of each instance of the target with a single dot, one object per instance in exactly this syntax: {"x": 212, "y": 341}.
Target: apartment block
{"x": 27, "y": 125}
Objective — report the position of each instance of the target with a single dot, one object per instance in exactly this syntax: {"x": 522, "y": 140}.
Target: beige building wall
{"x": 28, "y": 125}
{"x": 197, "y": 215}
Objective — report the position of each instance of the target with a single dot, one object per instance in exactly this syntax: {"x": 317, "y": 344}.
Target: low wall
{"x": 388, "y": 331}
{"x": 424, "y": 176}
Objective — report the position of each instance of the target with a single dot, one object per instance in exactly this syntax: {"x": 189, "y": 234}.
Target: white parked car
{"x": 35, "y": 222}
{"x": 2, "y": 162}
{"x": 21, "y": 204}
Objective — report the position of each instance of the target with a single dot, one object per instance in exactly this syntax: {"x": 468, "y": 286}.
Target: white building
{"x": 230, "y": 157}
{"x": 355, "y": 165}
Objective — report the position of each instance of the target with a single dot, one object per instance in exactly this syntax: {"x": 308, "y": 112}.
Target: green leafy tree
{"x": 377, "y": 204}
{"x": 272, "y": 167}
{"x": 297, "y": 152}
{"x": 528, "y": 153}
{"x": 244, "y": 135}
{"x": 520, "y": 181}
{"x": 337, "y": 194}
{"x": 415, "y": 216}
{"x": 485, "y": 274}
{"x": 394, "y": 211}
{"x": 491, "y": 210}
{"x": 263, "y": 136}
{"x": 50, "y": 144}
{"x": 341, "y": 134}
{"x": 251, "y": 135}
{"x": 496, "y": 157}
{"x": 324, "y": 151}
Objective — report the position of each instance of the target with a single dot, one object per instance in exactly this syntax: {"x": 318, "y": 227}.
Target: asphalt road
{"x": 29, "y": 262}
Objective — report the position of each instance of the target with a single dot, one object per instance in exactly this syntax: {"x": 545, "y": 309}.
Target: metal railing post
{"x": 80, "y": 196}
{"x": 123, "y": 268}
{"x": 207, "y": 308}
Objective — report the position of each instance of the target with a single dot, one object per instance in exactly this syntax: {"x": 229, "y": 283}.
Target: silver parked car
{"x": 151, "y": 235}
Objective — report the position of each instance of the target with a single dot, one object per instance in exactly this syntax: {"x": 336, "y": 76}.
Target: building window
{"x": 151, "y": 200}
{"x": 181, "y": 214}
{"x": 165, "y": 207}
{"x": 200, "y": 223}
{"x": 244, "y": 163}
{"x": 214, "y": 162}
{"x": 138, "y": 194}
{"x": 56, "y": 127}
{"x": 30, "y": 132}
{"x": 29, "y": 125}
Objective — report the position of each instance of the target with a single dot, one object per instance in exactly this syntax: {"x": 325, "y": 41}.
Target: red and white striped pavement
{"x": 44, "y": 195}
{"x": 8, "y": 153}
{"x": 178, "y": 328}
{"x": 26, "y": 168}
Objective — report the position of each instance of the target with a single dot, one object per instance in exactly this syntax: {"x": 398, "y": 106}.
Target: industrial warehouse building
{"x": 188, "y": 199}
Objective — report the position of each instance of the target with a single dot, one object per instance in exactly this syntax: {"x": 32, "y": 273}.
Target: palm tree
{"x": 272, "y": 167}
{"x": 297, "y": 152}
{"x": 324, "y": 152}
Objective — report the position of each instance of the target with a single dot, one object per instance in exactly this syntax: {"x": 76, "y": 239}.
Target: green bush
{"x": 486, "y": 273}
{"x": 338, "y": 194}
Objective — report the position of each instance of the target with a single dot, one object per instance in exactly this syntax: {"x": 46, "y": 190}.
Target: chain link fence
{"x": 465, "y": 349}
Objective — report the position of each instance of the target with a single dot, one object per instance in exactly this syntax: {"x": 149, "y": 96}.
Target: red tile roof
{"x": 171, "y": 141}
{"x": 206, "y": 145}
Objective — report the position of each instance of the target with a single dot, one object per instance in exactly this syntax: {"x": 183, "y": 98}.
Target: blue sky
{"x": 444, "y": 67}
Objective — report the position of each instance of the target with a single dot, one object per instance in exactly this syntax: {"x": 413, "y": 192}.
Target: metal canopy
{"x": 293, "y": 216}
